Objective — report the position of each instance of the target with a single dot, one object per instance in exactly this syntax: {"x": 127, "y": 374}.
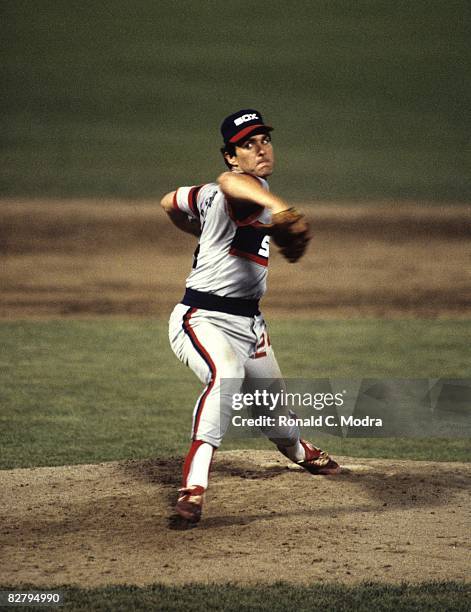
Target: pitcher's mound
{"x": 112, "y": 523}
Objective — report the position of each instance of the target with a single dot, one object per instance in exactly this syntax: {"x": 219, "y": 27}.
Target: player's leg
{"x": 263, "y": 372}
{"x": 263, "y": 365}
{"x": 204, "y": 348}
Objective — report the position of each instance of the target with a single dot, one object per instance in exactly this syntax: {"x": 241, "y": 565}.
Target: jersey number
{"x": 264, "y": 249}
{"x": 251, "y": 243}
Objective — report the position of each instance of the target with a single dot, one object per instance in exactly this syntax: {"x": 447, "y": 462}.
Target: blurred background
{"x": 106, "y": 106}
{"x": 370, "y": 99}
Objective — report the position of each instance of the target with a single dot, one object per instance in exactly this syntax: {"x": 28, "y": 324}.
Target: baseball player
{"x": 217, "y": 329}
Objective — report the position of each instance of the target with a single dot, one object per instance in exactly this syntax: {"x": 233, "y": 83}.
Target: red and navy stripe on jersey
{"x": 192, "y": 200}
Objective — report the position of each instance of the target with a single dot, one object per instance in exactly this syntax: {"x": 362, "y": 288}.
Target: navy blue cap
{"x": 240, "y": 125}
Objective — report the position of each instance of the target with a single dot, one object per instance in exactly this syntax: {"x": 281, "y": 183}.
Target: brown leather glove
{"x": 290, "y": 231}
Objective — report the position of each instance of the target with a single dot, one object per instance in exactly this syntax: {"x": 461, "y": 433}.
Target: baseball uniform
{"x": 217, "y": 329}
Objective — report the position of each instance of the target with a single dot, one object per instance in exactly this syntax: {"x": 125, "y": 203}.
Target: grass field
{"x": 84, "y": 392}
{"x": 369, "y": 99}
{"x": 278, "y": 598}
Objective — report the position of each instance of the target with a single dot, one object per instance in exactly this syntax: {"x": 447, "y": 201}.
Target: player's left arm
{"x": 179, "y": 218}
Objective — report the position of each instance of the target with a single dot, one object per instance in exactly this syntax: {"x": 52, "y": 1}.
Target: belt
{"x": 229, "y": 305}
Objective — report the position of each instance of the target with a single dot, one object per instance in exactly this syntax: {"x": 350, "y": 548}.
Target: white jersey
{"x": 231, "y": 258}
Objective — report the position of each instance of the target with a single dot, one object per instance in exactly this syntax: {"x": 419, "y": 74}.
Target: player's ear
{"x": 229, "y": 159}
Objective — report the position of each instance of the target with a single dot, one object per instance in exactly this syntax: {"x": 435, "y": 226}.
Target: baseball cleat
{"x": 317, "y": 461}
{"x": 190, "y": 503}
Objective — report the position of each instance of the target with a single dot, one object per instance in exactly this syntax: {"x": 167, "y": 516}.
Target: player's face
{"x": 254, "y": 156}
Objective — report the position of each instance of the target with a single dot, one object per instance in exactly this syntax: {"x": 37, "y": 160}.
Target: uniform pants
{"x": 217, "y": 346}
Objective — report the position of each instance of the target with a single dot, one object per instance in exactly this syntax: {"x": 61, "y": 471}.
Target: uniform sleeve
{"x": 186, "y": 200}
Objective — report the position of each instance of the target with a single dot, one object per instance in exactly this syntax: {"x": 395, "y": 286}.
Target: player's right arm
{"x": 245, "y": 188}
{"x": 178, "y": 217}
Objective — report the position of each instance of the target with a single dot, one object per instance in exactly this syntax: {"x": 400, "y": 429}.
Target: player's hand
{"x": 290, "y": 231}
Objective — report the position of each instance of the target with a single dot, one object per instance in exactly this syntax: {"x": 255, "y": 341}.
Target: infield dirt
{"x": 112, "y": 523}
{"x": 87, "y": 258}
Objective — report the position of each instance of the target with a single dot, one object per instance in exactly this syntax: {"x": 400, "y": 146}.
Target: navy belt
{"x": 210, "y": 301}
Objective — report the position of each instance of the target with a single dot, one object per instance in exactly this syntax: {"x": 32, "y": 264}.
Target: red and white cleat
{"x": 317, "y": 461}
{"x": 190, "y": 503}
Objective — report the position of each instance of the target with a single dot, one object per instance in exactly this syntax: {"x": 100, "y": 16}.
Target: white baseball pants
{"x": 216, "y": 346}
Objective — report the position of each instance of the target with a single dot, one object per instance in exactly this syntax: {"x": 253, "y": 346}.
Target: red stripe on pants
{"x": 210, "y": 363}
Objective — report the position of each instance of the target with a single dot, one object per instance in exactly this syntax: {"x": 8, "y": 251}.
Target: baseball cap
{"x": 240, "y": 125}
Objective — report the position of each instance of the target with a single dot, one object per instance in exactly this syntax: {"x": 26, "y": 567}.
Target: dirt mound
{"x": 85, "y": 258}
{"x": 264, "y": 520}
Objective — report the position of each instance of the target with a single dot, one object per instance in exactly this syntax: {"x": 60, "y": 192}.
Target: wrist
{"x": 278, "y": 206}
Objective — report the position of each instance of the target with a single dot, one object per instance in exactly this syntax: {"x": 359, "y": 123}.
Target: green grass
{"x": 84, "y": 392}
{"x": 277, "y": 597}
{"x": 369, "y": 99}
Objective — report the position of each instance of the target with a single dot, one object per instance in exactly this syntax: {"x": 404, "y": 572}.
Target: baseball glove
{"x": 290, "y": 231}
